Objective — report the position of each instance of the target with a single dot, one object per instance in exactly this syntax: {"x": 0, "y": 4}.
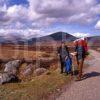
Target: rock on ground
{"x": 39, "y": 71}
{"x": 6, "y": 77}
{"x": 10, "y": 71}
{"x": 12, "y": 67}
{"x": 28, "y": 70}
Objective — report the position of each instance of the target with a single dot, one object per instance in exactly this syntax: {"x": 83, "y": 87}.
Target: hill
{"x": 94, "y": 40}
{"x": 55, "y": 37}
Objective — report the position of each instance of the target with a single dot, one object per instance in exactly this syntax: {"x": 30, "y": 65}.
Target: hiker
{"x": 65, "y": 59}
{"x": 80, "y": 56}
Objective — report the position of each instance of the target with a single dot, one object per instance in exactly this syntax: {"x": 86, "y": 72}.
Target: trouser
{"x": 62, "y": 65}
{"x": 80, "y": 67}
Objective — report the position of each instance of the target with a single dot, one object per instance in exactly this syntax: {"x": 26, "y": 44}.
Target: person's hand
{"x": 74, "y": 53}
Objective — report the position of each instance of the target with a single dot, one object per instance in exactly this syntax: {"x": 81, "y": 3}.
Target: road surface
{"x": 89, "y": 88}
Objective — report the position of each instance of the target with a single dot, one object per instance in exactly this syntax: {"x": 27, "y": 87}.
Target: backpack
{"x": 83, "y": 43}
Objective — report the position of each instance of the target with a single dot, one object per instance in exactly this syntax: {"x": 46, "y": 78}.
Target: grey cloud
{"x": 42, "y": 13}
{"x": 69, "y": 10}
{"x": 3, "y": 17}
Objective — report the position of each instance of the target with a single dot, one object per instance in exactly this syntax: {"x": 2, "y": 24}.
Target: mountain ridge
{"x": 54, "y": 37}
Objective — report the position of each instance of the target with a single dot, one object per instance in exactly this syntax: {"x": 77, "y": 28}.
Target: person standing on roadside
{"x": 63, "y": 53}
{"x": 80, "y": 56}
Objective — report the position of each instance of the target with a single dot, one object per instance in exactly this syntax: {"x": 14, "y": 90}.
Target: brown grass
{"x": 37, "y": 89}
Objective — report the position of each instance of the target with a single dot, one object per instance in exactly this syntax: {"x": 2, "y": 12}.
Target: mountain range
{"x": 94, "y": 41}
{"x": 55, "y": 37}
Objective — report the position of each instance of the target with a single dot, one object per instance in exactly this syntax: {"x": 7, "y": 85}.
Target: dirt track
{"x": 89, "y": 88}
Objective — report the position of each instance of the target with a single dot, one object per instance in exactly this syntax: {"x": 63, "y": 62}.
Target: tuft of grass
{"x": 36, "y": 89}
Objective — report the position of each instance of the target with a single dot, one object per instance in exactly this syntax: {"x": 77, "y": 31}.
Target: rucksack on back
{"x": 83, "y": 43}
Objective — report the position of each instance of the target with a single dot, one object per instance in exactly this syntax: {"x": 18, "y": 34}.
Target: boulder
{"x": 28, "y": 70}
{"x": 6, "y": 77}
{"x": 10, "y": 72}
{"x": 12, "y": 67}
{"x": 40, "y": 71}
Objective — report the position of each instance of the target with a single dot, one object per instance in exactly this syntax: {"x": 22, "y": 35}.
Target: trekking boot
{"x": 78, "y": 78}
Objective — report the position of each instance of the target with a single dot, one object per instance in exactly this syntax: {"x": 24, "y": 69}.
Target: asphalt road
{"x": 89, "y": 88}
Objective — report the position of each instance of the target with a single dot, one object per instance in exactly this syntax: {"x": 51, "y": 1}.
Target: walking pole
{"x": 73, "y": 67}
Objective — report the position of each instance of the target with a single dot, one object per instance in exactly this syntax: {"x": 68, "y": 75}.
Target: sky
{"x": 29, "y": 18}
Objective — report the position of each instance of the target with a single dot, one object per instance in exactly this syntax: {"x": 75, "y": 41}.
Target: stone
{"x": 28, "y": 70}
{"x": 39, "y": 71}
{"x": 6, "y": 77}
{"x": 10, "y": 71}
{"x": 12, "y": 67}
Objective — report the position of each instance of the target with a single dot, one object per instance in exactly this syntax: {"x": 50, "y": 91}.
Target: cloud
{"x": 17, "y": 11}
{"x": 96, "y": 9}
{"x": 2, "y": 2}
{"x": 3, "y": 17}
{"x": 79, "y": 34}
{"x": 97, "y": 26}
{"x": 22, "y": 33}
{"x": 70, "y": 10}
{"x": 40, "y": 14}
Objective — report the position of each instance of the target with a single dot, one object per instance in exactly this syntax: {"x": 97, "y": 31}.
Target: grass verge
{"x": 37, "y": 89}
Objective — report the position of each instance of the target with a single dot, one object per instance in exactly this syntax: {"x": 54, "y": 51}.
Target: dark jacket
{"x": 63, "y": 52}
